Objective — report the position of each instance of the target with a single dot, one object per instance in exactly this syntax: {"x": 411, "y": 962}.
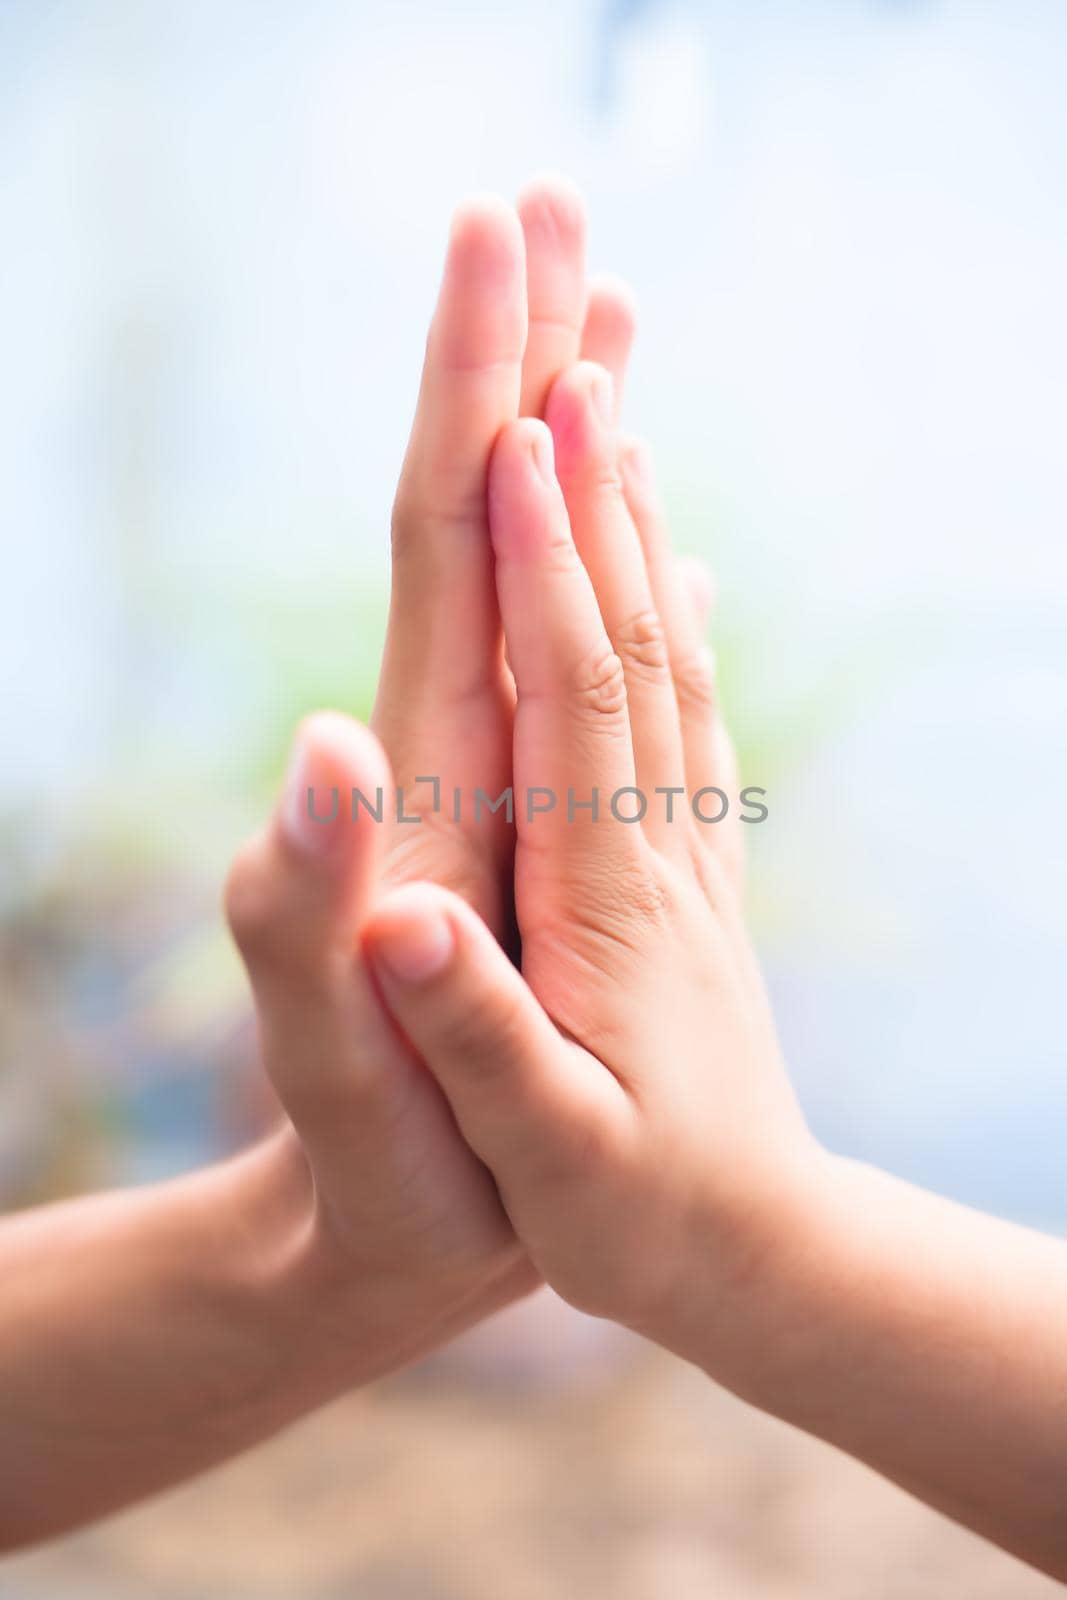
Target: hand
{"x": 399, "y": 1237}
{"x": 150, "y": 1333}
{"x": 514, "y": 310}
{"x": 626, "y": 1091}
{"x": 153, "y": 1332}
{"x": 389, "y": 1203}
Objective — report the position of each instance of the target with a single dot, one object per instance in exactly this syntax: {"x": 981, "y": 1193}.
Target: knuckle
{"x": 453, "y": 507}
{"x": 652, "y": 903}
{"x": 603, "y": 481}
{"x": 694, "y": 685}
{"x": 598, "y": 686}
{"x": 642, "y": 644}
{"x": 411, "y": 515}
{"x": 560, "y": 557}
{"x": 624, "y": 904}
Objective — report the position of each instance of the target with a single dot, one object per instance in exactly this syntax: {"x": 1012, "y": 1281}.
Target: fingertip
{"x": 699, "y": 583}
{"x": 522, "y": 478}
{"x": 480, "y": 320}
{"x": 299, "y": 887}
{"x": 345, "y": 745}
{"x": 486, "y": 237}
{"x": 521, "y": 436}
{"x": 333, "y": 758}
{"x": 639, "y": 477}
{"x": 611, "y": 317}
{"x": 609, "y": 328}
{"x": 552, "y": 214}
{"x": 411, "y": 937}
{"x": 552, "y": 211}
{"x": 635, "y": 462}
{"x": 416, "y": 930}
{"x": 579, "y": 412}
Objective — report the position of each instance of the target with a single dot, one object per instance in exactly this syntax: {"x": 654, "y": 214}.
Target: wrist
{"x": 751, "y": 1301}
{"x": 352, "y": 1316}
{"x": 251, "y": 1229}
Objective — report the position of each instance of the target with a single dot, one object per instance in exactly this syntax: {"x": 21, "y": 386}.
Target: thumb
{"x": 295, "y": 897}
{"x": 298, "y": 891}
{"x": 526, "y": 1100}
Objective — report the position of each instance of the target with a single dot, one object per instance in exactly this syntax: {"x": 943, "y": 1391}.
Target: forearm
{"x": 144, "y": 1334}
{"x": 148, "y": 1334}
{"x": 929, "y": 1341}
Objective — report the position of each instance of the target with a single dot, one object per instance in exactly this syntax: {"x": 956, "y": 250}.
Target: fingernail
{"x": 544, "y": 454}
{"x": 602, "y": 395}
{"x": 307, "y": 811}
{"x": 416, "y": 950}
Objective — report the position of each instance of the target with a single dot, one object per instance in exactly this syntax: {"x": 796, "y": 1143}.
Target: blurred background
{"x": 845, "y": 223}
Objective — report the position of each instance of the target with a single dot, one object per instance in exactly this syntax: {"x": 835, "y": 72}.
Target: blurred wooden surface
{"x": 633, "y": 1479}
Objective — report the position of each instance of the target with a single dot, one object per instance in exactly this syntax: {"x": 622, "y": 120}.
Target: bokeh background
{"x": 845, "y": 223}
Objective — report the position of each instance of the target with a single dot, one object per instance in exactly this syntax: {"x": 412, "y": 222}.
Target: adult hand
{"x": 514, "y": 310}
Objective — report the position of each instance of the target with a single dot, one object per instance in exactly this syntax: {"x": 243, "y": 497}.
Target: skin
{"x": 626, "y": 1089}
{"x": 146, "y": 1335}
{"x": 514, "y": 310}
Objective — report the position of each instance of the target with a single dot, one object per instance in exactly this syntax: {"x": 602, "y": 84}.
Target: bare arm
{"x": 931, "y": 1342}
{"x": 627, "y": 1091}
{"x": 146, "y": 1334}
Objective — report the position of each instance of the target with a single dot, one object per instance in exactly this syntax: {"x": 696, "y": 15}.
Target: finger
{"x": 709, "y": 758}
{"x": 579, "y": 415}
{"x": 470, "y": 388}
{"x": 698, "y": 583}
{"x": 523, "y": 1097}
{"x": 608, "y": 333}
{"x": 553, "y": 224}
{"x": 572, "y": 732}
{"x": 322, "y": 853}
{"x": 295, "y": 899}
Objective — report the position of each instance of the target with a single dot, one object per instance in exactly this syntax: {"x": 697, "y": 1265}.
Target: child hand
{"x": 628, "y": 1095}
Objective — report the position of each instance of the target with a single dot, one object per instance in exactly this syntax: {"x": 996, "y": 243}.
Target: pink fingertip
{"x": 415, "y": 949}
{"x": 580, "y": 411}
